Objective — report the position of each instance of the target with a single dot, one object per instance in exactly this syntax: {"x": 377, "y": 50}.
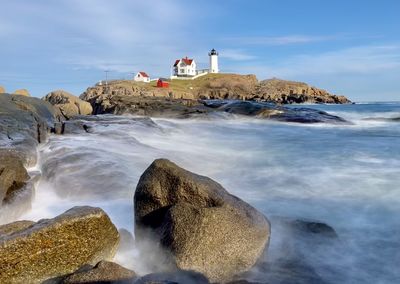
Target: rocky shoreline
{"x": 204, "y": 234}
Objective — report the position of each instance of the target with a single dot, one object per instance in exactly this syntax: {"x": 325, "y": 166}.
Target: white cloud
{"x": 282, "y": 40}
{"x": 236, "y": 55}
{"x": 357, "y": 60}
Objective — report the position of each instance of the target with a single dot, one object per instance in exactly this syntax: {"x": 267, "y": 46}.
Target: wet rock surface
{"x": 274, "y": 112}
{"x": 32, "y": 253}
{"x": 205, "y": 228}
{"x": 25, "y": 122}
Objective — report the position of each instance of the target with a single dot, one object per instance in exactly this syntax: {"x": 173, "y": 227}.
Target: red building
{"x": 162, "y": 84}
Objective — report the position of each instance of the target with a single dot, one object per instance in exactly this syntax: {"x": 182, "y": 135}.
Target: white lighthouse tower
{"x": 213, "y": 54}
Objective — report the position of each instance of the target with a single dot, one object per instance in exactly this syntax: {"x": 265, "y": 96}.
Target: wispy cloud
{"x": 236, "y": 55}
{"x": 283, "y": 40}
{"x": 362, "y": 60}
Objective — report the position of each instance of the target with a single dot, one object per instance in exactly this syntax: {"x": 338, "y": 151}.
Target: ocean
{"x": 346, "y": 176}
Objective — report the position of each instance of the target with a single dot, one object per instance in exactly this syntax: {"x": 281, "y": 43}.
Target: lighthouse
{"x": 213, "y": 54}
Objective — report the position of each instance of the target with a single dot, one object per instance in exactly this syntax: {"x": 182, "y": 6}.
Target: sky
{"x": 349, "y": 48}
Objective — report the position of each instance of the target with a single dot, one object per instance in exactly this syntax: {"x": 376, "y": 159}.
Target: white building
{"x": 213, "y": 54}
{"x": 185, "y": 67}
{"x": 142, "y": 77}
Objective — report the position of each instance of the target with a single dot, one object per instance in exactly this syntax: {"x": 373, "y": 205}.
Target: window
{"x": 182, "y": 70}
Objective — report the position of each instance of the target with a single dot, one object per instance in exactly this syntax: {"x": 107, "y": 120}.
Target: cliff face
{"x": 120, "y": 96}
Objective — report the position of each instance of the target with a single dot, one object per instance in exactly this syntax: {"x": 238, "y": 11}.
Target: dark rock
{"x": 177, "y": 277}
{"x": 56, "y": 247}
{"x": 288, "y": 260}
{"x": 25, "y": 122}
{"x": 204, "y": 227}
{"x": 104, "y": 272}
{"x": 271, "y": 111}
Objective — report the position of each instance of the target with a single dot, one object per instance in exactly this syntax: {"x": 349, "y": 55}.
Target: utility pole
{"x": 106, "y": 71}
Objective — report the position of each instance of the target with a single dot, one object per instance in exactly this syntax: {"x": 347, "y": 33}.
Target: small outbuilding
{"x": 162, "y": 84}
{"x": 142, "y": 77}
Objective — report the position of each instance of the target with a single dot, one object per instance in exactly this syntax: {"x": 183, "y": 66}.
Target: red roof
{"x": 186, "y": 60}
{"x": 144, "y": 74}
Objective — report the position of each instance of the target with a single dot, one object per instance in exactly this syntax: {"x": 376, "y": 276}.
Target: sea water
{"x": 347, "y": 176}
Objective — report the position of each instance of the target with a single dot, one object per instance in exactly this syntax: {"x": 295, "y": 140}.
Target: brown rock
{"x": 68, "y": 104}
{"x": 22, "y": 92}
{"x": 56, "y": 247}
{"x": 13, "y": 175}
{"x": 103, "y": 272}
{"x": 8, "y": 229}
{"x": 2, "y": 90}
{"x": 205, "y": 228}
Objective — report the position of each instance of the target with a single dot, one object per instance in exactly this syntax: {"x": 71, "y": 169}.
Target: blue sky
{"x": 346, "y": 47}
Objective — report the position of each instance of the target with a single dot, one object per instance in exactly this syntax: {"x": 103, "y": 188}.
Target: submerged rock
{"x": 205, "y": 228}
{"x": 177, "y": 277}
{"x": 56, "y": 247}
{"x": 271, "y": 111}
{"x": 68, "y": 104}
{"x": 103, "y": 272}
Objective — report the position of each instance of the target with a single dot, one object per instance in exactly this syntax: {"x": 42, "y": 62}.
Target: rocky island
{"x": 128, "y": 96}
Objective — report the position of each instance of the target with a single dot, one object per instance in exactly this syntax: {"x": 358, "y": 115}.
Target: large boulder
{"x": 56, "y": 247}
{"x": 13, "y": 175}
{"x": 22, "y": 92}
{"x": 205, "y": 228}
{"x": 68, "y": 104}
{"x": 25, "y": 122}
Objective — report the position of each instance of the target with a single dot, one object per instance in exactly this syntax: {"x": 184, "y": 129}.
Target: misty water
{"x": 347, "y": 176}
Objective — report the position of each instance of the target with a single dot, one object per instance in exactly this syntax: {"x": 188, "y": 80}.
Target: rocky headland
{"x": 127, "y": 96}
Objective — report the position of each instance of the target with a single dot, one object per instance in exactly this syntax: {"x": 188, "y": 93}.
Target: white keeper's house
{"x": 186, "y": 68}
{"x": 142, "y": 77}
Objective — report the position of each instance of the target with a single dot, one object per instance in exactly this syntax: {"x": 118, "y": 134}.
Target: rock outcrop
{"x": 205, "y": 228}
{"x": 120, "y": 97}
{"x": 22, "y": 92}
{"x": 2, "y": 90}
{"x": 279, "y": 113}
{"x": 68, "y": 104}
{"x": 56, "y": 247}
{"x": 103, "y": 272}
{"x": 288, "y": 92}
